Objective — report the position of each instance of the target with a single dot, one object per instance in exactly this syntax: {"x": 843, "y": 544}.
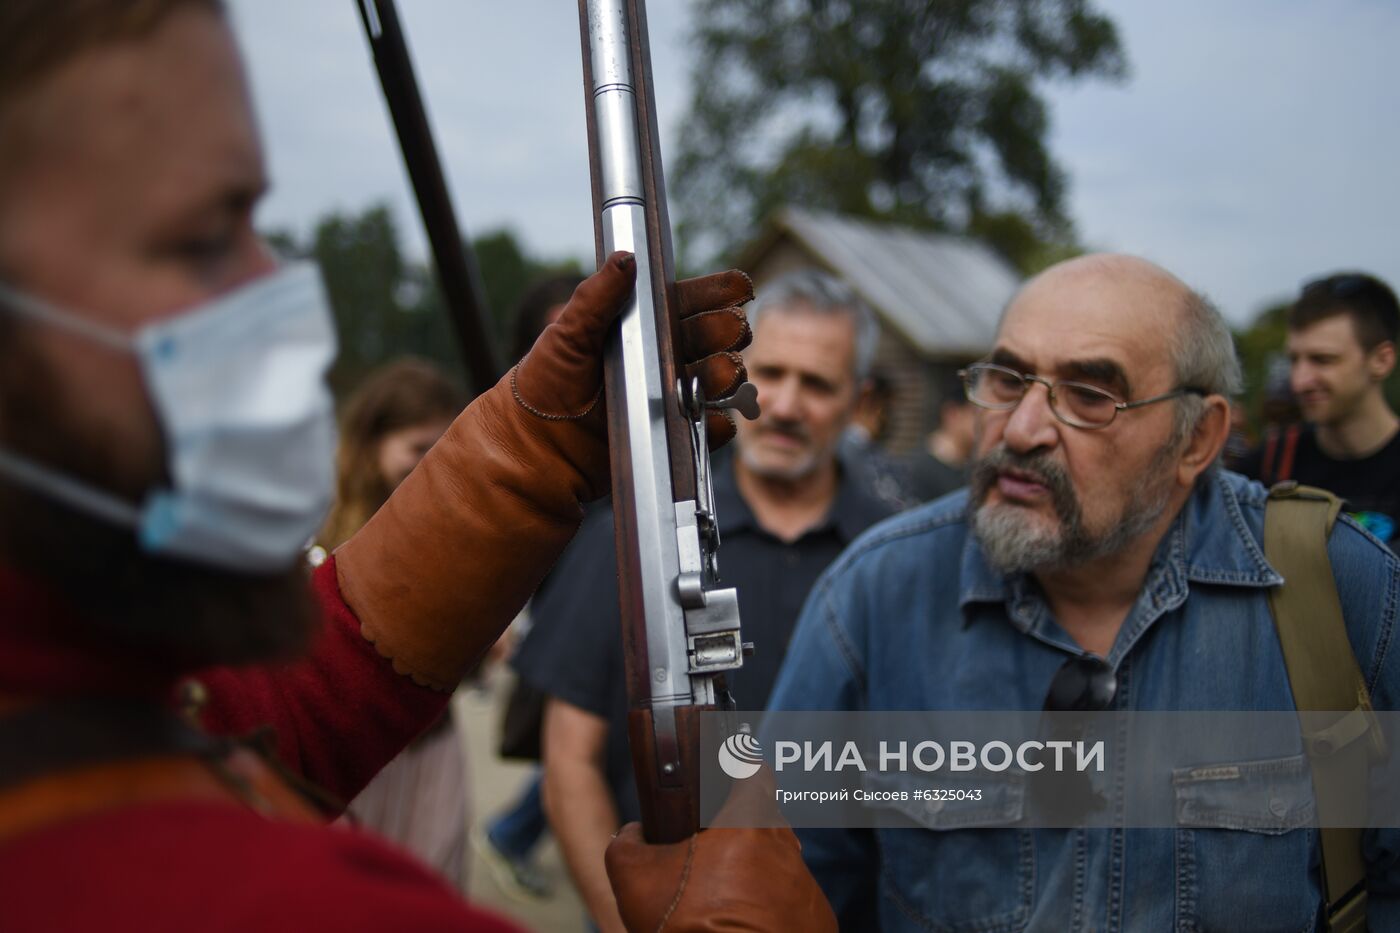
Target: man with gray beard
{"x": 1100, "y": 546}
{"x": 785, "y": 510}
{"x": 1014, "y": 546}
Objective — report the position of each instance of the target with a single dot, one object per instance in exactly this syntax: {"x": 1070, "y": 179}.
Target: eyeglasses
{"x": 1077, "y": 404}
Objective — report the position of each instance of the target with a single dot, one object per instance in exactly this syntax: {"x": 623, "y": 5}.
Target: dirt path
{"x": 494, "y": 785}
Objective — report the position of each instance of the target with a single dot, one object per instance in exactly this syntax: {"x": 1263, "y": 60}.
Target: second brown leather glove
{"x": 732, "y": 879}
{"x": 443, "y": 567}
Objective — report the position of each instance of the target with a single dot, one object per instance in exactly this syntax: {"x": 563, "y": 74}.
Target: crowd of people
{"x": 189, "y": 698}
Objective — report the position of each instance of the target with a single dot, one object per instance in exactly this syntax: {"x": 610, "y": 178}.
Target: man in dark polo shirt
{"x": 785, "y": 510}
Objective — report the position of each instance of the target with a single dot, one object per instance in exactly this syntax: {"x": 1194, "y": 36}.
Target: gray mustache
{"x": 793, "y": 432}
{"x": 1040, "y": 466}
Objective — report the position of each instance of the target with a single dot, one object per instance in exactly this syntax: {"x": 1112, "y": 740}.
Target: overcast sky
{"x": 1255, "y": 144}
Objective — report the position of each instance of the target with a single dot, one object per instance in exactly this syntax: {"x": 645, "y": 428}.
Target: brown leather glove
{"x": 720, "y": 879}
{"x": 443, "y": 567}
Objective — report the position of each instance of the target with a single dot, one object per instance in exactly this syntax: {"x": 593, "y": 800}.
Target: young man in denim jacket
{"x": 1095, "y": 528}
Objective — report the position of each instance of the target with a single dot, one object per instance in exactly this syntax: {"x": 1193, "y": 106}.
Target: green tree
{"x": 365, "y": 276}
{"x": 387, "y": 305}
{"x": 1259, "y": 346}
{"x": 507, "y": 272}
{"x": 925, "y": 112}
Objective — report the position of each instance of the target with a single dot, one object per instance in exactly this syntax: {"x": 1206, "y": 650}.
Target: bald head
{"x": 1119, "y": 288}
{"x": 1114, "y": 296}
{"x": 1116, "y": 265}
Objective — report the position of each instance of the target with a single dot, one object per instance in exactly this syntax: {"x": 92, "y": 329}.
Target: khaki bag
{"x": 1324, "y": 677}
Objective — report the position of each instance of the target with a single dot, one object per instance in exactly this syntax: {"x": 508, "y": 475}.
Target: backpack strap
{"x": 1276, "y": 466}
{"x": 1324, "y": 678}
{"x": 1266, "y": 462}
{"x": 1290, "y": 449}
{"x": 66, "y": 735}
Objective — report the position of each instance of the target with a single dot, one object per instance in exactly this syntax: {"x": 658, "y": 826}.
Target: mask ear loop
{"x": 36, "y": 310}
{"x": 56, "y": 485}
{"x": 69, "y": 491}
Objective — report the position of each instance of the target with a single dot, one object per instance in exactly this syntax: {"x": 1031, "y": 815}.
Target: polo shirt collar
{"x": 732, "y": 511}
{"x": 851, "y": 513}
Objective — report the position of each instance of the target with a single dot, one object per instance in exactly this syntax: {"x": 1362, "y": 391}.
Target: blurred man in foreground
{"x": 165, "y": 446}
{"x": 1097, "y": 546}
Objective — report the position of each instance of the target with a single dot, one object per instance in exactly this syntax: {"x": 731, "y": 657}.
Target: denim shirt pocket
{"x": 959, "y": 868}
{"x": 1243, "y": 846}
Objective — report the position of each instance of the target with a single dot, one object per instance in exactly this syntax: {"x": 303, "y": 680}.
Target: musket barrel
{"x": 679, "y": 633}
{"x": 635, "y": 348}
{"x": 615, "y": 105}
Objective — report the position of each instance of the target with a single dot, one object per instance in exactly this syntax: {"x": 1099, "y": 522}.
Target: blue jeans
{"x": 518, "y": 830}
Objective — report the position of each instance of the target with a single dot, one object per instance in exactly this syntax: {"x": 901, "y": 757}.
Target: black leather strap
{"x": 55, "y": 736}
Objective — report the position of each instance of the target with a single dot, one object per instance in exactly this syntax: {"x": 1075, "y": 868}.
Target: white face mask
{"x": 239, "y": 387}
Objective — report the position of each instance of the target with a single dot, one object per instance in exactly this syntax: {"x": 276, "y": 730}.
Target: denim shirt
{"x": 913, "y": 617}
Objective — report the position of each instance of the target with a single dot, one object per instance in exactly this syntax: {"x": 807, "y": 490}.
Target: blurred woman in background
{"x": 420, "y": 799}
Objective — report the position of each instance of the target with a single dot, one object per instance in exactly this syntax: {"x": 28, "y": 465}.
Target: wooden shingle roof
{"x": 942, "y": 293}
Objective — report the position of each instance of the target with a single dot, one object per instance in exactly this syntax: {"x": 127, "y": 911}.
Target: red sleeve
{"x": 220, "y": 868}
{"x": 339, "y": 714}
